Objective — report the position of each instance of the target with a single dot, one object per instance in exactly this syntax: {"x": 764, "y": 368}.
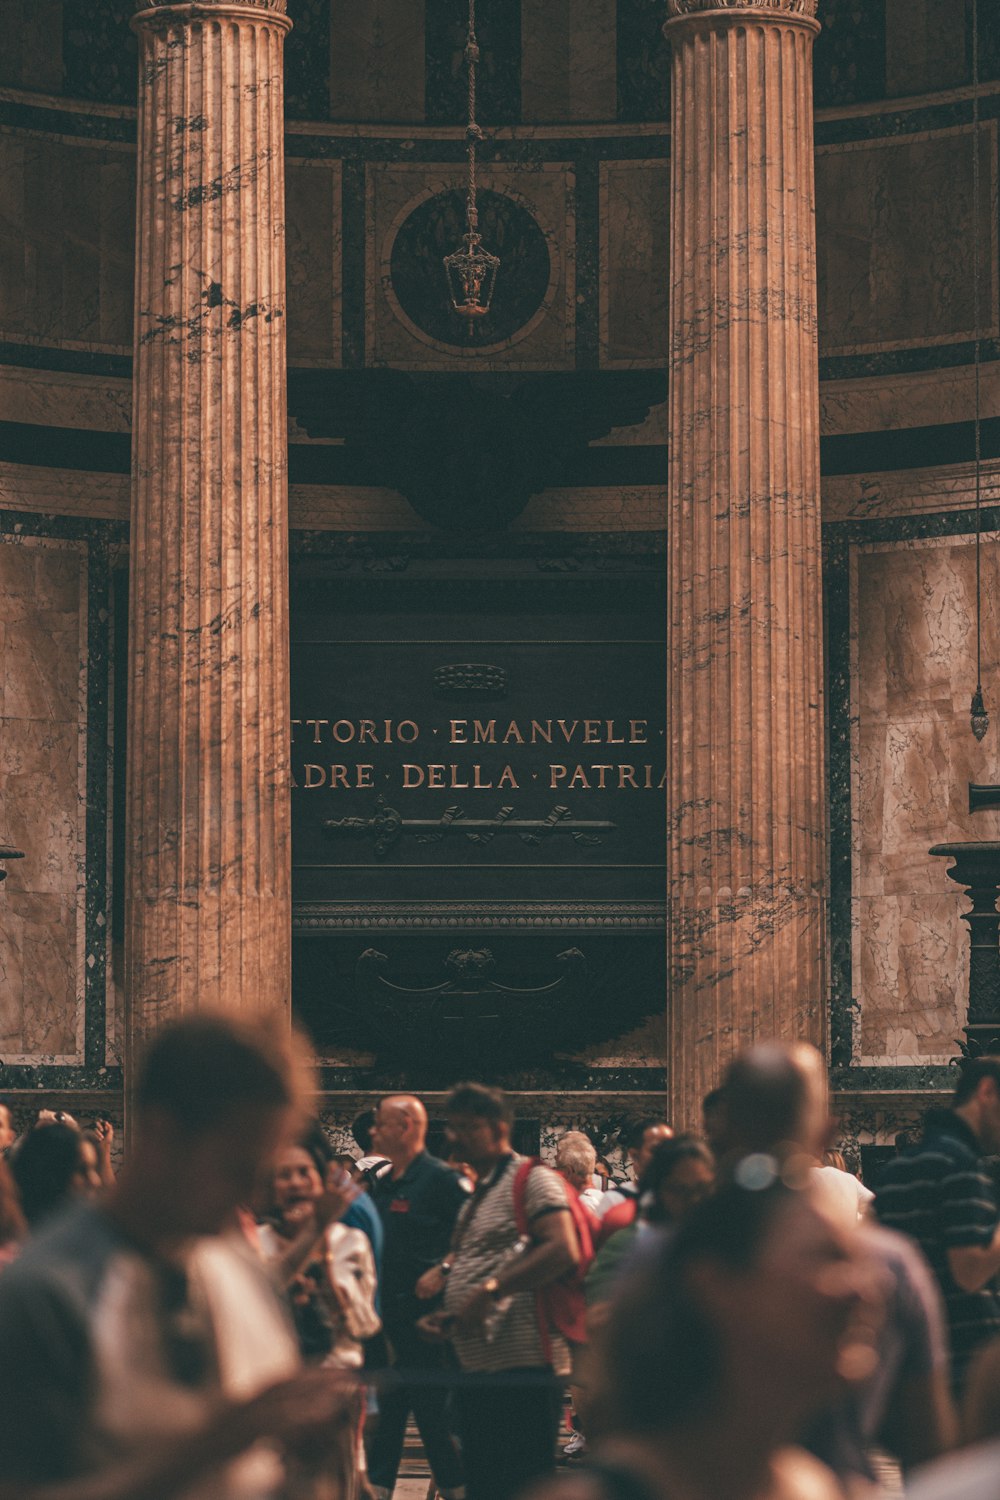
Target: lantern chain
{"x": 979, "y": 717}
{"x": 473, "y": 133}
{"x": 471, "y": 271}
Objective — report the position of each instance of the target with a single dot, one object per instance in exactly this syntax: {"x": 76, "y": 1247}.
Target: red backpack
{"x": 561, "y": 1305}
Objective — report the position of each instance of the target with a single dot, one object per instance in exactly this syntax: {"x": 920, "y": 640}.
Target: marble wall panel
{"x": 913, "y": 671}
{"x": 66, "y": 241}
{"x": 545, "y": 341}
{"x": 568, "y": 60}
{"x": 377, "y": 60}
{"x": 57, "y": 398}
{"x": 894, "y": 225}
{"x": 635, "y": 247}
{"x": 313, "y": 254}
{"x": 43, "y": 593}
{"x": 909, "y": 492}
{"x": 916, "y": 399}
{"x": 63, "y": 492}
{"x": 913, "y": 951}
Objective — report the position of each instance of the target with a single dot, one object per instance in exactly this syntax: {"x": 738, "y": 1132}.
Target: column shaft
{"x": 746, "y": 838}
{"x": 208, "y": 872}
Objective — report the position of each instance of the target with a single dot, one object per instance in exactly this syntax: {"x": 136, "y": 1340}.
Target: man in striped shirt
{"x": 941, "y": 1194}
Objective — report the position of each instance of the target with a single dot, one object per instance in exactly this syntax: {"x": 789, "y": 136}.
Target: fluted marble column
{"x": 208, "y": 871}
{"x": 746, "y": 840}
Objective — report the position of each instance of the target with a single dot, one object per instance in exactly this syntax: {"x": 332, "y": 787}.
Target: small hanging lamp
{"x": 979, "y": 719}
{"x": 471, "y": 271}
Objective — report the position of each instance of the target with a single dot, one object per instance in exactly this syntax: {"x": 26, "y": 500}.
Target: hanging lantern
{"x": 979, "y": 719}
{"x": 471, "y": 271}
{"x": 472, "y": 274}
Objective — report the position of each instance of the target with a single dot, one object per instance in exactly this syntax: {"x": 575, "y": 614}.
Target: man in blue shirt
{"x": 417, "y": 1200}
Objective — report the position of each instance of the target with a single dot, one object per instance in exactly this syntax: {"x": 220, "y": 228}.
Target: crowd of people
{"x": 245, "y": 1314}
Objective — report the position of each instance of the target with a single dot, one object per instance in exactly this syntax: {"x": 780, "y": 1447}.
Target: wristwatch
{"x": 492, "y": 1288}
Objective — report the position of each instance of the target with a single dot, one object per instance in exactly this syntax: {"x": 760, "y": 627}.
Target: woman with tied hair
{"x": 719, "y": 1348}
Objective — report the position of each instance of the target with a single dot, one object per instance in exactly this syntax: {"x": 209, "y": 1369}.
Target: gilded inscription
{"x": 509, "y": 735}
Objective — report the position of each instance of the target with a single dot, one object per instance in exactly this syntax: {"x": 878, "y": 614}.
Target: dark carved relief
{"x": 388, "y": 826}
{"x": 470, "y": 1012}
{"x": 433, "y": 230}
{"x": 469, "y": 451}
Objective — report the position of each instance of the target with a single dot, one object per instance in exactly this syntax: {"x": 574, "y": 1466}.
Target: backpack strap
{"x": 524, "y": 1171}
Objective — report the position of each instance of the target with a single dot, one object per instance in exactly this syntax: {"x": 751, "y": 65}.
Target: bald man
{"x": 777, "y": 1102}
{"x": 418, "y": 1201}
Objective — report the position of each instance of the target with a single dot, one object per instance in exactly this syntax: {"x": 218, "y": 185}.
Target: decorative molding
{"x": 447, "y": 916}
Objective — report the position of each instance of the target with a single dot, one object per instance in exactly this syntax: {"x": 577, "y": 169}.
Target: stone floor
{"x": 414, "y": 1473}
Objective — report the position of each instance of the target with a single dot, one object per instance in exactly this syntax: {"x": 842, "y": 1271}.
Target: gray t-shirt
{"x": 487, "y": 1240}
{"x": 107, "y": 1355}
